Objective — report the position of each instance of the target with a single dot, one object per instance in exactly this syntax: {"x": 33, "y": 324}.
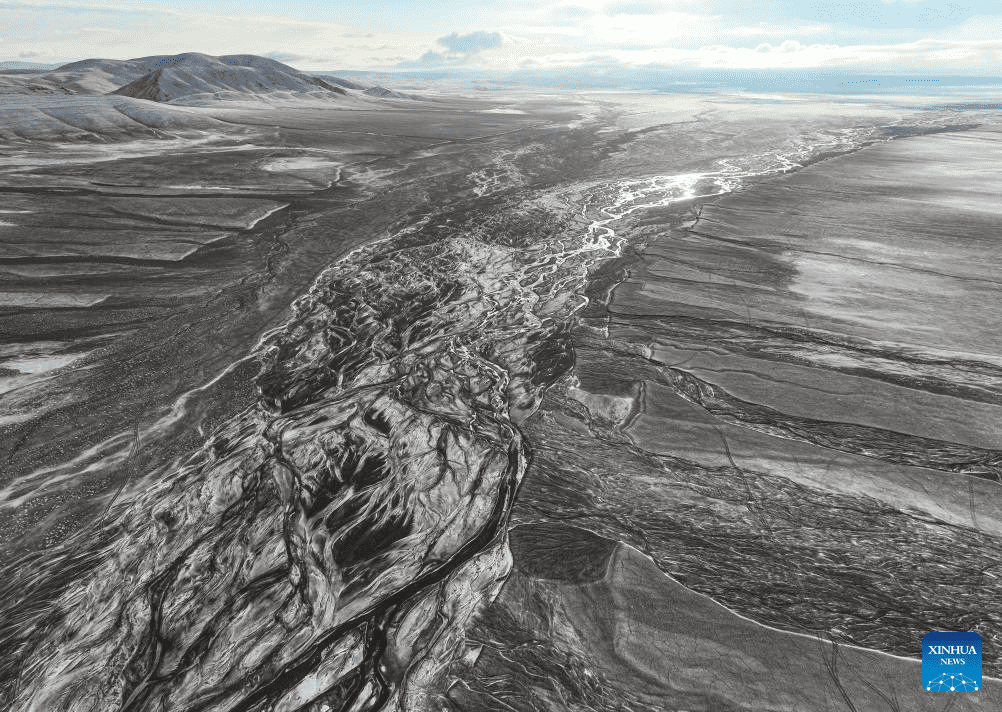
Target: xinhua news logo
{"x": 951, "y": 662}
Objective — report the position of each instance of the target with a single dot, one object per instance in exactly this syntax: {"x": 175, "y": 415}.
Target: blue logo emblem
{"x": 951, "y": 662}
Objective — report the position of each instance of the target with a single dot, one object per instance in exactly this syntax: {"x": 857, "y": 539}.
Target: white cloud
{"x": 925, "y": 54}
{"x": 51, "y": 33}
{"x": 561, "y": 33}
{"x": 648, "y": 29}
{"x": 979, "y": 27}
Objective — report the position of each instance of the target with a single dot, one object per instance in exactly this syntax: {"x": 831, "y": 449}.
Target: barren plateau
{"x": 317, "y": 395}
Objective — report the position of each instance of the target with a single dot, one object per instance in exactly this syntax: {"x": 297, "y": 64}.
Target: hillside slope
{"x": 175, "y": 77}
{"x": 166, "y": 78}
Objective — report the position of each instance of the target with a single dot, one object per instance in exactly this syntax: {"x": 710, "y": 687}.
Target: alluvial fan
{"x": 326, "y": 548}
{"x": 330, "y": 547}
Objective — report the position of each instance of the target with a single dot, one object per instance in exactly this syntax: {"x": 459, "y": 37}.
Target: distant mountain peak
{"x": 173, "y": 77}
{"x": 182, "y": 77}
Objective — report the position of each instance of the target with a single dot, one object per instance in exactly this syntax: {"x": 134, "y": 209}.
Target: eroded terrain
{"x": 537, "y": 404}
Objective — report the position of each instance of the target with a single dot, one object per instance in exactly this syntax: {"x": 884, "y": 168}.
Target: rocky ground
{"x": 602, "y": 403}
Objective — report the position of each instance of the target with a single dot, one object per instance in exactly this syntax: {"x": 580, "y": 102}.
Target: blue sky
{"x": 861, "y": 35}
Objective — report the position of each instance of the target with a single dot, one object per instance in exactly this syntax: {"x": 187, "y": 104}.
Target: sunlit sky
{"x": 906, "y": 35}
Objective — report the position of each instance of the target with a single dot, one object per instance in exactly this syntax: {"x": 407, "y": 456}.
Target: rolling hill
{"x": 184, "y": 77}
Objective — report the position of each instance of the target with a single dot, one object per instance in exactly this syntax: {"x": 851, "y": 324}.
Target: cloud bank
{"x": 460, "y": 49}
{"x": 518, "y": 33}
